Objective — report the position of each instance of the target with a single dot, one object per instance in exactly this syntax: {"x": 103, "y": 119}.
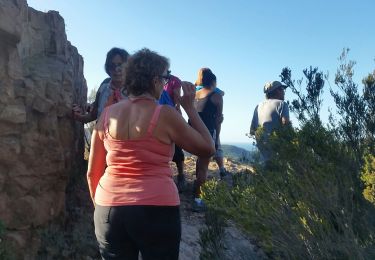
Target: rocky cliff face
{"x": 41, "y": 75}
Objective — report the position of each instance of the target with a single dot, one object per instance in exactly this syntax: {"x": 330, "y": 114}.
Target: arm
{"x": 195, "y": 139}
{"x": 176, "y": 100}
{"x": 218, "y": 101}
{"x": 91, "y": 115}
{"x": 217, "y": 137}
{"x": 85, "y": 118}
{"x": 96, "y": 164}
{"x": 285, "y": 114}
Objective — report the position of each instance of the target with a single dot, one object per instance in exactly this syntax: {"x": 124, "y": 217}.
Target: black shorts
{"x": 178, "y": 154}
{"x": 124, "y": 231}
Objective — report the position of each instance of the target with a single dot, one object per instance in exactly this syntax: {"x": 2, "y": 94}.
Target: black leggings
{"x": 124, "y": 231}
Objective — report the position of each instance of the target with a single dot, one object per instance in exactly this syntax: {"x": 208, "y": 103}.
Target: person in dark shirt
{"x": 209, "y": 105}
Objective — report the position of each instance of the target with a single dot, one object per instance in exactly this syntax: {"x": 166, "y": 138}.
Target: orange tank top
{"x": 138, "y": 171}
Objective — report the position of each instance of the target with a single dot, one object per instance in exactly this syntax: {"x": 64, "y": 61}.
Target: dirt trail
{"x": 237, "y": 245}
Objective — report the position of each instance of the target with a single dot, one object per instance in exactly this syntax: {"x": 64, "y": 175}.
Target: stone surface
{"x": 14, "y": 114}
{"x": 41, "y": 76}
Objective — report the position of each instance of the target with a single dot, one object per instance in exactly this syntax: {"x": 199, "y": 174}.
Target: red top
{"x": 138, "y": 170}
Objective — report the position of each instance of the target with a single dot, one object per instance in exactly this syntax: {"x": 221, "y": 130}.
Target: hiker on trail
{"x": 270, "y": 114}
{"x": 110, "y": 91}
{"x": 136, "y": 200}
{"x": 219, "y": 155}
{"x": 209, "y": 104}
{"x": 170, "y": 96}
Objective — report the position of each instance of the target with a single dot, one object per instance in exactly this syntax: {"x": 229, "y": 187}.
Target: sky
{"x": 244, "y": 42}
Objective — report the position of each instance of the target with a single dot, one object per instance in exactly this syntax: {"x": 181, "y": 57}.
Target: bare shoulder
{"x": 170, "y": 117}
{"x": 167, "y": 112}
{"x": 118, "y": 107}
{"x": 170, "y": 122}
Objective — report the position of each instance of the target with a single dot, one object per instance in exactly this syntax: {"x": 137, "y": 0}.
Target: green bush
{"x": 304, "y": 204}
{"x": 368, "y": 177}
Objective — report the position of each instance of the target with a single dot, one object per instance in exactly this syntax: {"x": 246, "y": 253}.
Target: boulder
{"x": 41, "y": 76}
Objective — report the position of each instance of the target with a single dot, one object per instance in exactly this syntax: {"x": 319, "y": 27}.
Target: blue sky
{"x": 245, "y": 43}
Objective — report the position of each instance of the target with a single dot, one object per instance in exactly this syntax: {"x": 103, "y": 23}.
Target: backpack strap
{"x": 154, "y": 120}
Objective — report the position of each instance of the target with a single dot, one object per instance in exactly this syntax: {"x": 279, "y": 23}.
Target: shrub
{"x": 305, "y": 203}
{"x": 368, "y": 177}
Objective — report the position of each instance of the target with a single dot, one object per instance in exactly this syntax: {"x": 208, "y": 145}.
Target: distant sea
{"x": 247, "y": 146}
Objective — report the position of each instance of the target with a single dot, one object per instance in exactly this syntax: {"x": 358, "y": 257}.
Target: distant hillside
{"x": 235, "y": 152}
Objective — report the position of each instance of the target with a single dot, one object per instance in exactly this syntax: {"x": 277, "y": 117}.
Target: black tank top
{"x": 207, "y": 110}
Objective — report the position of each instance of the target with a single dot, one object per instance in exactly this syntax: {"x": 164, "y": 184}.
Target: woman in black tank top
{"x": 209, "y": 106}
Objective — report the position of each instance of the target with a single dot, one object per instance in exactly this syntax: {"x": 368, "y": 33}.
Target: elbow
{"x": 89, "y": 175}
{"x": 208, "y": 151}
{"x": 212, "y": 151}
{"x": 92, "y": 175}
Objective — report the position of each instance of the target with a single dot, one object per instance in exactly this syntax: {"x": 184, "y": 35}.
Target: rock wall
{"x": 41, "y": 75}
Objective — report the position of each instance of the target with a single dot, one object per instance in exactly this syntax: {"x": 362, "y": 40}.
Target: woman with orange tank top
{"x": 136, "y": 200}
